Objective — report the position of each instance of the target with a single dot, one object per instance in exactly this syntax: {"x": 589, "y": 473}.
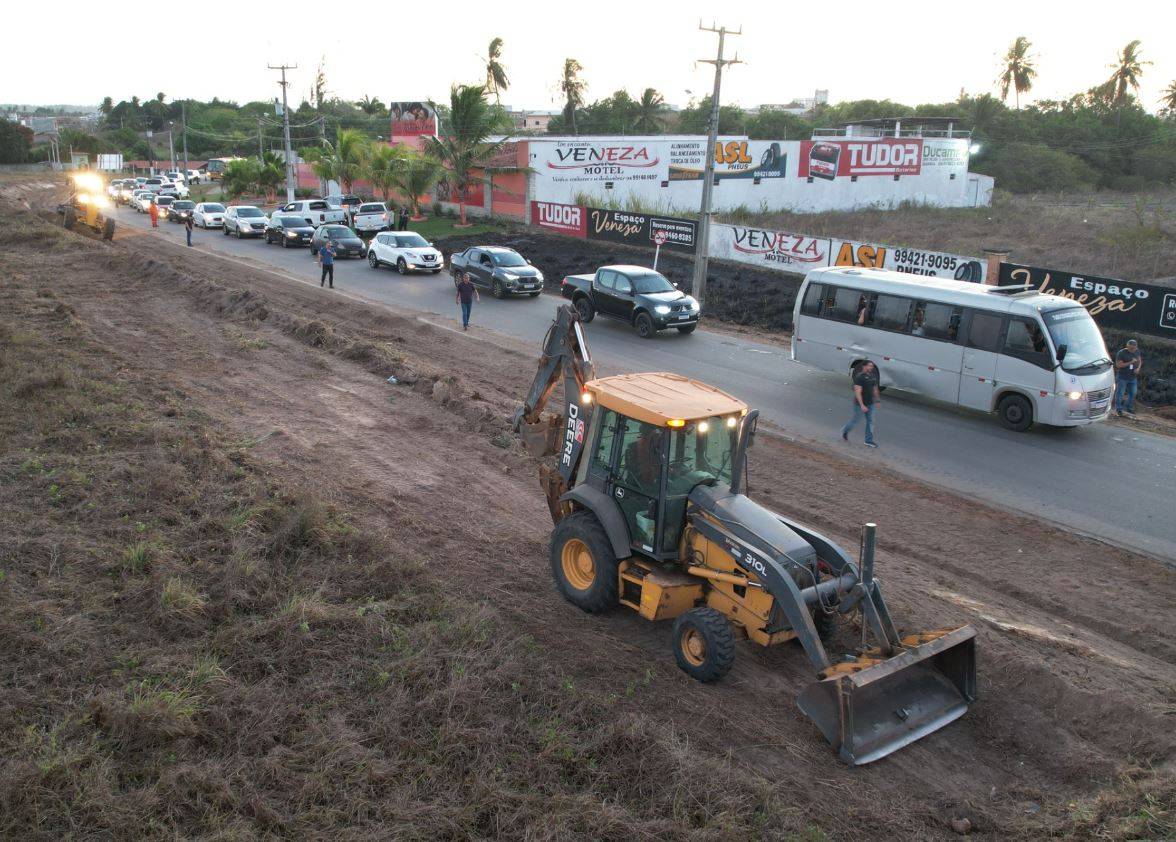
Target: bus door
{"x": 982, "y": 339}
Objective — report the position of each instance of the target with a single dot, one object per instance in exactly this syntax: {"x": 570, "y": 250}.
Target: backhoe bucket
{"x": 539, "y": 437}
{"x": 872, "y": 706}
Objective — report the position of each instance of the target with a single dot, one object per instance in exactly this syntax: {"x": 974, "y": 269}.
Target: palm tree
{"x": 496, "y": 80}
{"x": 370, "y": 105}
{"x": 417, "y": 175}
{"x": 572, "y": 87}
{"x": 271, "y": 172}
{"x": 383, "y": 165}
{"x": 342, "y": 161}
{"x": 466, "y": 146}
{"x": 1017, "y": 70}
{"x": 1128, "y": 69}
{"x": 651, "y": 113}
{"x": 240, "y": 175}
{"x": 1168, "y": 97}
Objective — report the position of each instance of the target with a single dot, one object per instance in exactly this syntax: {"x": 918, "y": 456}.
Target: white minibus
{"x": 1026, "y": 356}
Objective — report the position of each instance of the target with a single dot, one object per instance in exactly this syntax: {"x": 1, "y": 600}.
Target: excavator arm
{"x": 565, "y": 352}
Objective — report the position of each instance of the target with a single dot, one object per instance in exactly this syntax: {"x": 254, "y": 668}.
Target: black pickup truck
{"x": 501, "y": 270}
{"x": 634, "y": 294}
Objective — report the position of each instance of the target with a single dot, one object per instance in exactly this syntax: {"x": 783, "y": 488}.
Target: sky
{"x": 909, "y": 52}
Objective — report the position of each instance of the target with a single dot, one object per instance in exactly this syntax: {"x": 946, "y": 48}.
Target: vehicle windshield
{"x": 702, "y": 451}
{"x": 249, "y": 212}
{"x": 338, "y": 232}
{"x": 508, "y": 258}
{"x": 183, "y": 205}
{"x": 292, "y": 222}
{"x": 212, "y": 207}
{"x": 408, "y": 241}
{"x": 164, "y": 200}
{"x": 652, "y": 282}
{"x": 1074, "y": 328}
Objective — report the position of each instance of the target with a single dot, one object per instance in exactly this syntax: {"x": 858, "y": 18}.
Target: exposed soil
{"x": 513, "y": 715}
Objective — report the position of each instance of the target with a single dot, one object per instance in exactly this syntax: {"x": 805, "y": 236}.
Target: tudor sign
{"x": 830, "y": 159}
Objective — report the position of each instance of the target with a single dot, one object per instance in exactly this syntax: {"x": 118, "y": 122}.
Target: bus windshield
{"x": 1074, "y": 328}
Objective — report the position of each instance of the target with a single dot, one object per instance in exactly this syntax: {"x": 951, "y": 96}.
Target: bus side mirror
{"x": 1062, "y": 352}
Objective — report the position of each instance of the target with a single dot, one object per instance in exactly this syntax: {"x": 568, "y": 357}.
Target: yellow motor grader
{"x": 649, "y": 511}
{"x": 88, "y": 204}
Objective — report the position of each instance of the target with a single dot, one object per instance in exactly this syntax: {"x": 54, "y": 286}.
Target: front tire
{"x": 373, "y": 261}
{"x": 1015, "y": 413}
{"x": 239, "y": 236}
{"x": 401, "y": 266}
{"x": 498, "y": 290}
{"x": 585, "y": 309}
{"x": 704, "y": 644}
{"x": 583, "y": 563}
{"x": 644, "y": 326}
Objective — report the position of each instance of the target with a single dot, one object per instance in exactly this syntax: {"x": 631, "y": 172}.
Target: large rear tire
{"x": 583, "y": 563}
{"x": 704, "y": 644}
{"x": 108, "y": 229}
{"x": 69, "y": 217}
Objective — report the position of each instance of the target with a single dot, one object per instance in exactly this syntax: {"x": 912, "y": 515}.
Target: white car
{"x": 153, "y": 184}
{"x": 142, "y": 199}
{"x": 244, "y": 221}
{"x": 316, "y": 212}
{"x": 174, "y": 188}
{"x": 406, "y": 250}
{"x": 209, "y": 215}
{"x": 372, "y": 216}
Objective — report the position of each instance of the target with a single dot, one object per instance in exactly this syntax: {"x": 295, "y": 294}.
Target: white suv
{"x": 244, "y": 221}
{"x": 406, "y": 251}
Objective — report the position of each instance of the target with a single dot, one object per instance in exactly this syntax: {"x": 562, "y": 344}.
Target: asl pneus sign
{"x": 832, "y": 159}
{"x": 911, "y": 261}
{"x": 639, "y": 229}
{"x": 1144, "y": 308}
{"x": 750, "y": 159}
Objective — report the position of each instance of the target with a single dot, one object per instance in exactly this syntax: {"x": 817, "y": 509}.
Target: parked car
{"x": 180, "y": 210}
{"x": 288, "y": 230}
{"x": 371, "y": 216}
{"x": 348, "y": 203}
{"x": 405, "y": 250}
{"x": 244, "y": 221}
{"x": 112, "y": 189}
{"x": 162, "y": 203}
{"x": 174, "y": 188}
{"x": 126, "y": 191}
{"x": 346, "y": 242}
{"x": 501, "y": 270}
{"x": 209, "y": 215}
{"x": 142, "y": 199}
{"x": 633, "y": 294}
{"x": 153, "y": 184}
{"x": 315, "y": 211}
{"x": 140, "y": 180}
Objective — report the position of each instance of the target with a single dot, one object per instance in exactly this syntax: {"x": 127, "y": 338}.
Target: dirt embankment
{"x": 343, "y": 621}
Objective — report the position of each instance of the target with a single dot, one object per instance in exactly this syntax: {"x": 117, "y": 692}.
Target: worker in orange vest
{"x": 153, "y": 211}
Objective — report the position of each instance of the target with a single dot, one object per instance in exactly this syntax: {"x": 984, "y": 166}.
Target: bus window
{"x": 847, "y": 305}
{"x": 1026, "y": 341}
{"x": 890, "y": 312}
{"x": 935, "y": 321}
{"x": 984, "y": 331}
{"x": 812, "y": 300}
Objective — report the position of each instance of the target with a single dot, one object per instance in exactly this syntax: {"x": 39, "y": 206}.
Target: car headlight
{"x": 510, "y": 277}
{"x": 1074, "y": 396}
{"x": 691, "y": 303}
{"x": 661, "y": 310}
{"x": 293, "y": 234}
{"x": 539, "y": 277}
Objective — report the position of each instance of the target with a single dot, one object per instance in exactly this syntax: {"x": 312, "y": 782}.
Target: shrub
{"x": 1030, "y": 167}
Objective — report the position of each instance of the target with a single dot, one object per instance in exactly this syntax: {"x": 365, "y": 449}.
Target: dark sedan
{"x": 180, "y": 210}
{"x": 288, "y": 230}
{"x": 501, "y": 270}
{"x": 346, "y": 242}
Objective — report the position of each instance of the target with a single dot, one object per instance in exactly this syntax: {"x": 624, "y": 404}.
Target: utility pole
{"x": 286, "y": 129}
{"x": 322, "y": 121}
{"x": 260, "y": 142}
{"x": 702, "y": 245}
{"x": 171, "y": 143}
{"x": 184, "y": 123}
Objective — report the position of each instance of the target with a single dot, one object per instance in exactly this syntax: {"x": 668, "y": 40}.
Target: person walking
{"x": 188, "y": 225}
{"x": 402, "y": 222}
{"x": 467, "y": 294}
{"x": 1128, "y": 363}
{"x": 865, "y": 401}
{"x": 326, "y": 256}
{"x": 153, "y": 212}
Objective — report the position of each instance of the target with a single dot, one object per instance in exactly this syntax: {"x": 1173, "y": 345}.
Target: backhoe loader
{"x": 88, "y": 204}
{"x": 647, "y": 499}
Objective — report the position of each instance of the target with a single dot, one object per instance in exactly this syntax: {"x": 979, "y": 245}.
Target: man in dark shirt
{"x": 467, "y": 293}
{"x": 1128, "y": 363}
{"x": 402, "y": 223}
{"x": 188, "y": 227}
{"x": 326, "y": 255}
{"x": 865, "y": 401}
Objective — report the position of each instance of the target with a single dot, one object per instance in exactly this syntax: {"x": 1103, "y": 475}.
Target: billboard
{"x": 754, "y": 159}
{"x": 563, "y": 219}
{"x": 832, "y": 159}
{"x": 412, "y": 119}
{"x": 768, "y": 249}
{"x": 597, "y": 162}
{"x": 1143, "y": 308}
{"x": 641, "y": 229}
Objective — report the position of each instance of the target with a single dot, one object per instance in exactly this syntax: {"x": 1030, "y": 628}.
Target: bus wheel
{"x": 1015, "y": 413}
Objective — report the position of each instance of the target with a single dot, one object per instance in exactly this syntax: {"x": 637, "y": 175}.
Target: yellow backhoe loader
{"x": 649, "y": 511}
{"x": 88, "y": 204}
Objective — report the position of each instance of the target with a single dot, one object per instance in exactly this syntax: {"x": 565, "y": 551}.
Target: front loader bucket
{"x": 872, "y": 706}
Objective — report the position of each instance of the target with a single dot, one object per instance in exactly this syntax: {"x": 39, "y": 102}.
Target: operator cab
{"x": 655, "y": 437}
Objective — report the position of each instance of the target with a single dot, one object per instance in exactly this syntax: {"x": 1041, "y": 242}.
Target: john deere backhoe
{"x": 88, "y": 204}
{"x": 649, "y": 511}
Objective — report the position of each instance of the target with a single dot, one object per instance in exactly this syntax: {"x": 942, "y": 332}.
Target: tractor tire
{"x": 684, "y": 329}
{"x": 583, "y": 563}
{"x": 644, "y": 325}
{"x": 69, "y": 218}
{"x": 1015, "y": 413}
{"x": 108, "y": 229}
{"x": 585, "y": 309}
{"x": 704, "y": 644}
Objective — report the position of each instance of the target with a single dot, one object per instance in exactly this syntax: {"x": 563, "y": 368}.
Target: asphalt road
{"x": 1105, "y": 480}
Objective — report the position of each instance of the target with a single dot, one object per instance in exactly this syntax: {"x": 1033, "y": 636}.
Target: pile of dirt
{"x": 737, "y": 294}
{"x": 369, "y": 569}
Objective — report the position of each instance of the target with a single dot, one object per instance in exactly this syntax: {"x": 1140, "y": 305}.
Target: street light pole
{"x": 184, "y": 118}
{"x": 702, "y": 245}
{"x": 286, "y": 129}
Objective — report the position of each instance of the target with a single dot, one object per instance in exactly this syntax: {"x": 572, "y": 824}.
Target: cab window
{"x": 812, "y": 300}
{"x": 318, "y": 205}
{"x": 984, "y": 331}
{"x": 623, "y": 285}
{"x": 601, "y": 460}
{"x": 1026, "y": 341}
{"x": 701, "y": 452}
{"x": 890, "y": 312}
{"x": 606, "y": 280}
{"x": 936, "y": 321}
{"x": 849, "y": 305}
